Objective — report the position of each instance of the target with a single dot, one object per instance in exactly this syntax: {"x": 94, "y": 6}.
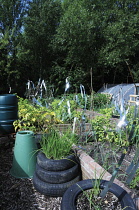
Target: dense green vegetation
{"x": 42, "y": 120}
{"x": 38, "y": 118}
{"x": 91, "y": 42}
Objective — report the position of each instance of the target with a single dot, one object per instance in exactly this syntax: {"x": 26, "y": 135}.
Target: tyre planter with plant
{"x": 56, "y": 164}
{"x": 57, "y": 176}
{"x": 53, "y": 190}
{"x": 69, "y": 199}
{"x": 56, "y": 168}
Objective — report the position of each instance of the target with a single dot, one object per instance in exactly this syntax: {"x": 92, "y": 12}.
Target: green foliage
{"x": 77, "y": 102}
{"x": 34, "y": 118}
{"x": 56, "y": 145}
{"x": 101, "y": 100}
{"x": 100, "y": 127}
{"x": 74, "y": 39}
{"x": 12, "y": 13}
{"x": 106, "y": 111}
{"x": 135, "y": 181}
{"x": 55, "y": 39}
{"x": 61, "y": 110}
{"x": 40, "y": 27}
{"x": 133, "y": 120}
{"x": 105, "y": 131}
{"x": 121, "y": 28}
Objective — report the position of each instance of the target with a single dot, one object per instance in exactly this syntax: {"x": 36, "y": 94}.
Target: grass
{"x": 56, "y": 145}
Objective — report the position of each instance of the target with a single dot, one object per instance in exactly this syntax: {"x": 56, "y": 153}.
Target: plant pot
{"x": 54, "y": 177}
{"x": 56, "y": 165}
{"x": 25, "y": 155}
{"x": 70, "y": 196}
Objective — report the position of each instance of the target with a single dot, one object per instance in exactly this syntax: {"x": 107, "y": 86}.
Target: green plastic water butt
{"x": 8, "y": 113}
{"x": 25, "y": 155}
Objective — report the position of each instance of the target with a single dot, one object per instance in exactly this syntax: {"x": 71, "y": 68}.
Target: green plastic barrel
{"x": 8, "y": 113}
{"x": 25, "y": 155}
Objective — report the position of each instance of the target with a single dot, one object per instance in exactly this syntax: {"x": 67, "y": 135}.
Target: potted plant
{"x": 57, "y": 166}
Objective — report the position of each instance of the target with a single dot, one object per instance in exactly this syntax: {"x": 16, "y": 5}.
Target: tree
{"x": 121, "y": 41}
{"x": 99, "y": 35}
{"x": 12, "y": 12}
{"x": 40, "y": 26}
{"x": 79, "y": 39}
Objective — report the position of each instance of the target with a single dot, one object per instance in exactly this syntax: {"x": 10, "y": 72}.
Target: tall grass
{"x": 56, "y": 145}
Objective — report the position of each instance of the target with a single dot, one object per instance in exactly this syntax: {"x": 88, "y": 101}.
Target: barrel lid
{"x": 8, "y": 99}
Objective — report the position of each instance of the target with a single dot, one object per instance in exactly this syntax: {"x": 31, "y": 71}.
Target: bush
{"x": 101, "y": 100}
{"x": 34, "y": 118}
{"x": 60, "y": 107}
{"x": 105, "y": 131}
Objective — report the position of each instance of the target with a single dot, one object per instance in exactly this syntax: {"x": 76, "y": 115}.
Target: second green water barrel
{"x": 8, "y": 113}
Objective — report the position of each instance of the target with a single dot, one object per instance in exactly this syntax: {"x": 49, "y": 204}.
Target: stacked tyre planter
{"x": 54, "y": 177}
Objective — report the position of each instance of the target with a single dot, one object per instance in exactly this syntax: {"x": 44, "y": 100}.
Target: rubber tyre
{"x": 53, "y": 190}
{"x": 56, "y": 165}
{"x": 55, "y": 177}
{"x": 70, "y": 196}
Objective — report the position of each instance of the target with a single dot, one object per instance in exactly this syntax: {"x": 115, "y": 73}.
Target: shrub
{"x": 34, "y": 118}
{"x": 106, "y": 111}
{"x": 60, "y": 107}
{"x": 105, "y": 131}
{"x": 101, "y": 100}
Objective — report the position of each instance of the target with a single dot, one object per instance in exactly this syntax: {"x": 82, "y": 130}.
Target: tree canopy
{"x": 78, "y": 39}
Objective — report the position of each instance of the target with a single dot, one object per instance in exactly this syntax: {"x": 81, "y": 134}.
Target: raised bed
{"x": 92, "y": 170}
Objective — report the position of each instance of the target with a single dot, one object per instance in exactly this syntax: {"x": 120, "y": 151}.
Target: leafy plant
{"x": 60, "y": 106}
{"x": 106, "y": 111}
{"x": 101, "y": 100}
{"x": 57, "y": 145}
{"x": 34, "y": 118}
{"x": 105, "y": 131}
{"x": 61, "y": 109}
{"x": 135, "y": 181}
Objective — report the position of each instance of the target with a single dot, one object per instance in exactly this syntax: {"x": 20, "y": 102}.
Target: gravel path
{"x": 16, "y": 193}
